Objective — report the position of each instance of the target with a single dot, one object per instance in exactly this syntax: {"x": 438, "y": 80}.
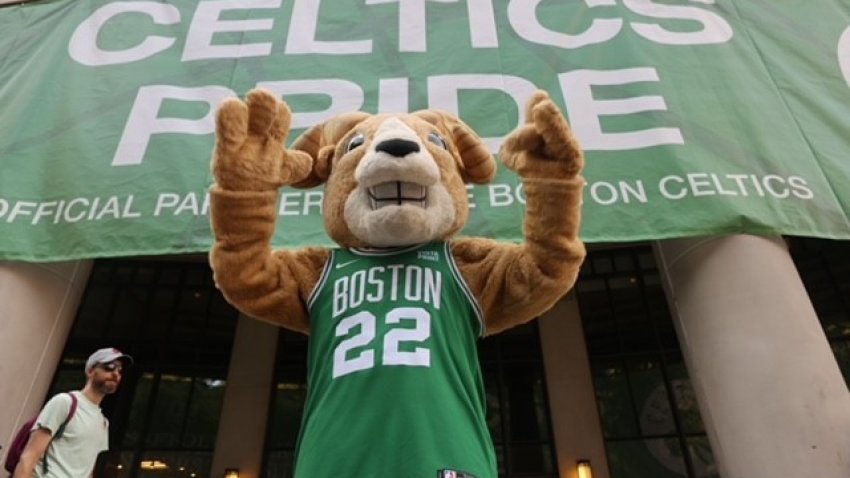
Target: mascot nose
{"x": 398, "y": 147}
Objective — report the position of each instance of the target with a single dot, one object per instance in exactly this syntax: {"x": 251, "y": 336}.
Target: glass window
{"x": 650, "y": 419}
{"x": 94, "y": 310}
{"x": 614, "y": 398}
{"x": 135, "y": 427}
{"x": 169, "y": 411}
{"x": 655, "y": 457}
{"x": 205, "y": 404}
{"x": 824, "y": 267}
{"x": 517, "y": 389}
{"x": 179, "y": 330}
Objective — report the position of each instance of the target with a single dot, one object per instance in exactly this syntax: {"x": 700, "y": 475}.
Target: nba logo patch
{"x": 453, "y": 474}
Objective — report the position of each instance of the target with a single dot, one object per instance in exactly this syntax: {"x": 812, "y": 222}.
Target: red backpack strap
{"x": 71, "y": 413}
{"x": 61, "y": 430}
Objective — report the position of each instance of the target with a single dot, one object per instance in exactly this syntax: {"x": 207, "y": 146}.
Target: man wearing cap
{"x": 73, "y": 455}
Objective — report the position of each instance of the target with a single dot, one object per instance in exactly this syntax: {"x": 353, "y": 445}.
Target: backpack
{"x": 23, "y": 436}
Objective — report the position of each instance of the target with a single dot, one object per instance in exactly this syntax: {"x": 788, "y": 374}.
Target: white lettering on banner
{"x": 393, "y": 94}
{"x": 305, "y": 203}
{"x": 178, "y": 204}
{"x": 302, "y": 34}
{"x": 83, "y": 47}
{"x": 300, "y": 203}
{"x": 676, "y": 187}
{"x": 412, "y": 34}
{"x": 482, "y": 24}
{"x": 287, "y": 201}
{"x": 502, "y": 195}
{"x": 444, "y": 93}
{"x": 21, "y": 208}
{"x": 313, "y": 202}
{"x": 207, "y": 22}
{"x": 69, "y": 210}
{"x": 469, "y": 196}
{"x": 844, "y": 54}
{"x": 411, "y": 284}
{"x": 606, "y": 193}
{"x": 412, "y": 29}
{"x": 144, "y": 120}
{"x": 523, "y": 18}
{"x": 345, "y": 96}
{"x": 715, "y": 28}
{"x": 576, "y": 87}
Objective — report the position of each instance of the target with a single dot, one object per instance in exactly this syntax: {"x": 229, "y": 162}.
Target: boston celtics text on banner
{"x": 698, "y": 117}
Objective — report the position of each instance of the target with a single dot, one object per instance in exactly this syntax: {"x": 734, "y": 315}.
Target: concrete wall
{"x": 242, "y": 428}
{"x": 38, "y": 303}
{"x": 772, "y": 398}
{"x": 575, "y": 417}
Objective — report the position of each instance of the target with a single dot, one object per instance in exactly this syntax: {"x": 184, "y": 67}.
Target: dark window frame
{"x": 627, "y": 322}
{"x": 203, "y": 355}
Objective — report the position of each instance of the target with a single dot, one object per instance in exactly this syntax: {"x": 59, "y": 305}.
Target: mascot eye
{"x": 357, "y": 140}
{"x": 438, "y": 140}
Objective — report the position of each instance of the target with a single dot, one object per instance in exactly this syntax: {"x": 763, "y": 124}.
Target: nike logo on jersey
{"x": 345, "y": 264}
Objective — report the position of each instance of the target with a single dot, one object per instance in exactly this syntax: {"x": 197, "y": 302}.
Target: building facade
{"x": 707, "y": 357}
{"x": 704, "y": 355}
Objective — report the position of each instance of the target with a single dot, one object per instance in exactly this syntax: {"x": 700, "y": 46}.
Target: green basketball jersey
{"x": 394, "y": 385}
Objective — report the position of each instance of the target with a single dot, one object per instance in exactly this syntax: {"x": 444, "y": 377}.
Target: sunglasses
{"x": 111, "y": 367}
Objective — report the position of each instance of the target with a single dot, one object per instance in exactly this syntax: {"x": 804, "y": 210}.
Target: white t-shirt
{"x": 73, "y": 454}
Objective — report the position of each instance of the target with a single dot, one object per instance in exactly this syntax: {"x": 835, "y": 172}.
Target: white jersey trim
{"x": 387, "y": 251}
{"x": 464, "y": 287}
{"x": 324, "y": 278}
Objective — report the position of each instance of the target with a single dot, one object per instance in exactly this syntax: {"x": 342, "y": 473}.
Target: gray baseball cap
{"x": 107, "y": 355}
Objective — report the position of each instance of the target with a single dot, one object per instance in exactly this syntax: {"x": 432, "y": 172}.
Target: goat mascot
{"x": 393, "y": 312}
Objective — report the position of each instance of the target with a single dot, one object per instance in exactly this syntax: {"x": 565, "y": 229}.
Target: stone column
{"x": 250, "y": 378}
{"x": 38, "y": 304}
{"x": 769, "y": 388}
{"x": 575, "y": 418}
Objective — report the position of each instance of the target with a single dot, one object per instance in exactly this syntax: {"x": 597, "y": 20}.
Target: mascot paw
{"x": 544, "y": 147}
{"x": 250, "y": 139}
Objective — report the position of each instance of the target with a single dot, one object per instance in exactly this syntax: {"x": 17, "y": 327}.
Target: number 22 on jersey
{"x": 366, "y": 324}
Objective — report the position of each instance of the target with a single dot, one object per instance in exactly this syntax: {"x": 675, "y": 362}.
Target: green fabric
{"x": 698, "y": 118}
{"x": 394, "y": 385}
{"x": 73, "y": 454}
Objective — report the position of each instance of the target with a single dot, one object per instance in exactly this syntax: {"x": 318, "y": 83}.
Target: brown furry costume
{"x": 428, "y": 153}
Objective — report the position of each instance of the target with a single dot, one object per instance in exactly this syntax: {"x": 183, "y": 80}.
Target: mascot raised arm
{"x": 394, "y": 312}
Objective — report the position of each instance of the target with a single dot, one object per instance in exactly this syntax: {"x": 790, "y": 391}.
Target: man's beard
{"x": 106, "y": 387}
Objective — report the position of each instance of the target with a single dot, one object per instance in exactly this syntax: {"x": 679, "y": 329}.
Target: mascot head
{"x": 395, "y": 180}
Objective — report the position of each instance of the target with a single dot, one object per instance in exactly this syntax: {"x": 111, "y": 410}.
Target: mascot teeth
{"x": 397, "y": 193}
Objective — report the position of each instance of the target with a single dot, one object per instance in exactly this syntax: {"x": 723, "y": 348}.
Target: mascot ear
{"x": 320, "y": 143}
{"x": 476, "y": 164}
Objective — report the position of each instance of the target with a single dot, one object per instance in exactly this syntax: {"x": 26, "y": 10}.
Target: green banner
{"x": 698, "y": 117}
